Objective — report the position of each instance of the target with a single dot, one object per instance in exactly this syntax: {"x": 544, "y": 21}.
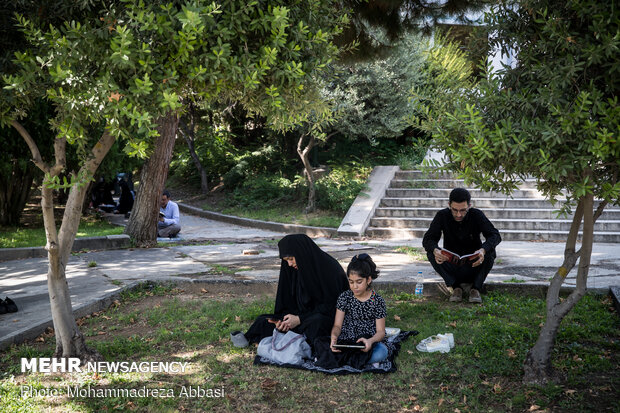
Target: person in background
{"x": 168, "y": 225}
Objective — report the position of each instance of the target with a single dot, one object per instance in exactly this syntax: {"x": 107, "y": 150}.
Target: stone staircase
{"x": 413, "y": 198}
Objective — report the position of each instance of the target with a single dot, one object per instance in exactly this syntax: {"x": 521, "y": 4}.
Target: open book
{"x": 456, "y": 259}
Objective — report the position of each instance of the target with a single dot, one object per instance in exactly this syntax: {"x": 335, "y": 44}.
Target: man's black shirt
{"x": 461, "y": 237}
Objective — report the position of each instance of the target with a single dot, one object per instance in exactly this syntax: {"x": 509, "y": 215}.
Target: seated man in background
{"x": 168, "y": 225}
{"x": 461, "y": 226}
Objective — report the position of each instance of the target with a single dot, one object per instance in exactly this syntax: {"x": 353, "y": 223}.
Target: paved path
{"x": 216, "y": 255}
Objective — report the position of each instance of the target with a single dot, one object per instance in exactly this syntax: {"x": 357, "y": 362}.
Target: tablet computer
{"x": 354, "y": 345}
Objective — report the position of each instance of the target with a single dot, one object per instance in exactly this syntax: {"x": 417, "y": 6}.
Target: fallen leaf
{"x": 397, "y": 318}
{"x": 457, "y": 411}
{"x": 203, "y": 290}
{"x": 106, "y": 317}
{"x": 534, "y": 407}
{"x": 486, "y": 383}
{"x": 417, "y": 408}
{"x": 452, "y": 324}
{"x": 40, "y": 339}
{"x": 412, "y": 398}
{"x": 541, "y": 325}
{"x": 225, "y": 320}
{"x": 333, "y": 402}
{"x": 443, "y": 388}
{"x": 497, "y": 388}
{"x": 269, "y": 384}
{"x": 16, "y": 320}
{"x": 440, "y": 402}
{"x": 409, "y": 352}
{"x": 237, "y": 318}
{"x": 114, "y": 96}
{"x": 101, "y": 333}
{"x": 577, "y": 358}
{"x": 465, "y": 399}
{"x": 570, "y": 392}
{"x": 511, "y": 353}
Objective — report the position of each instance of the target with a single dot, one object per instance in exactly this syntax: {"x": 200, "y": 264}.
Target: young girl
{"x": 360, "y": 311}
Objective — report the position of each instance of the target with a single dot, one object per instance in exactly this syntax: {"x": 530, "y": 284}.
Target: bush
{"x": 251, "y": 163}
{"x": 340, "y": 187}
{"x": 266, "y": 191}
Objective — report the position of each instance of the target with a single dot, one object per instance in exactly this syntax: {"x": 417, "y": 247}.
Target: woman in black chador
{"x": 309, "y": 285}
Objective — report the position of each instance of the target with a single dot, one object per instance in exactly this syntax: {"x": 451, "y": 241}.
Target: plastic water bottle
{"x": 419, "y": 285}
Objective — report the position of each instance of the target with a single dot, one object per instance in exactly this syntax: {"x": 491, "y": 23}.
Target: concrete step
{"x": 491, "y": 213}
{"x": 416, "y": 174}
{"x": 444, "y": 183}
{"x": 445, "y": 193}
{"x": 500, "y": 224}
{"x": 439, "y": 203}
{"x": 507, "y": 235}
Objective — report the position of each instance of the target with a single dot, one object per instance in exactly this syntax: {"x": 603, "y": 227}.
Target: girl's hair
{"x": 363, "y": 266}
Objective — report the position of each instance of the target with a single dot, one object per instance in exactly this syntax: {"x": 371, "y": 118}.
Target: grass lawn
{"x": 288, "y": 214}
{"x": 482, "y": 373}
{"x": 35, "y": 237}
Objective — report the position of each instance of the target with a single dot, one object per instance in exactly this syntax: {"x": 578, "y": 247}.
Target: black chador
{"x": 310, "y": 291}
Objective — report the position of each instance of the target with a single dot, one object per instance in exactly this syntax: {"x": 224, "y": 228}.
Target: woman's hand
{"x": 367, "y": 344}
{"x": 289, "y": 322}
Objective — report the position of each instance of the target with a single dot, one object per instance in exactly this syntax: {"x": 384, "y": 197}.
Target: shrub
{"x": 266, "y": 191}
{"x": 337, "y": 190}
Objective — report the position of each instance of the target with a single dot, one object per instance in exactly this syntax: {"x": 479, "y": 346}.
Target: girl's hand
{"x": 367, "y": 344}
{"x": 331, "y": 345}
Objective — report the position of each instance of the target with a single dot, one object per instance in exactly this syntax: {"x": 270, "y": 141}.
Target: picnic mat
{"x": 386, "y": 366}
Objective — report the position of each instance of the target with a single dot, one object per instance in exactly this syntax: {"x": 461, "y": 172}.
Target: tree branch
{"x": 34, "y": 149}
{"x": 599, "y": 210}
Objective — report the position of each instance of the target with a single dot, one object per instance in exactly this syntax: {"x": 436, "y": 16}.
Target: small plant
{"x": 514, "y": 280}
{"x": 418, "y": 254}
{"x": 92, "y": 264}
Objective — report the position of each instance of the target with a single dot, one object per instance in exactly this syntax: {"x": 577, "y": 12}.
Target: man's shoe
{"x": 457, "y": 295}
{"x": 474, "y": 296}
{"x": 2, "y": 307}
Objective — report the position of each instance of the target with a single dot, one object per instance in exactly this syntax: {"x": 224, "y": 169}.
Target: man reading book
{"x": 461, "y": 227}
{"x": 168, "y": 225}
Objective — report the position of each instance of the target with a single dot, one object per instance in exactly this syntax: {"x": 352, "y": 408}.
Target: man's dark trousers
{"x": 454, "y": 275}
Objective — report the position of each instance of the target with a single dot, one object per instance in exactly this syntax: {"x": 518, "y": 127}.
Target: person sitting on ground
{"x": 461, "y": 226}
{"x": 309, "y": 284}
{"x": 125, "y": 202}
{"x": 168, "y": 225}
{"x": 360, "y": 316}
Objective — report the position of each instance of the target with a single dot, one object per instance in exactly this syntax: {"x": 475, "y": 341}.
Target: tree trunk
{"x": 189, "y": 134}
{"x": 304, "y": 154}
{"x": 69, "y": 340}
{"x": 14, "y": 192}
{"x": 537, "y": 367}
{"x": 142, "y": 225}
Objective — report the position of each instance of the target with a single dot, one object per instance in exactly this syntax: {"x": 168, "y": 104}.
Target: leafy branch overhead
{"x": 138, "y": 61}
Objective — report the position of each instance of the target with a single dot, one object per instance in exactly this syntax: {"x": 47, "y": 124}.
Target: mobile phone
{"x": 274, "y": 320}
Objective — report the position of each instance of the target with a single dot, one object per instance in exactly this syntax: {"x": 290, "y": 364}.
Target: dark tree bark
{"x": 188, "y": 131}
{"x": 14, "y": 192}
{"x": 142, "y": 225}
